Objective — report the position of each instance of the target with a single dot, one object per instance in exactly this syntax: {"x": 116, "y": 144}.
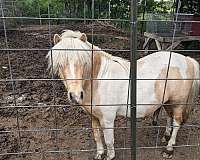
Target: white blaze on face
{"x": 72, "y": 71}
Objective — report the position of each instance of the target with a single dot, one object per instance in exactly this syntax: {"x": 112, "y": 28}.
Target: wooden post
{"x": 39, "y": 13}
{"x": 84, "y": 10}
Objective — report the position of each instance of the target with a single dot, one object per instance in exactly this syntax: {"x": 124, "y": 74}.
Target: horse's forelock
{"x": 80, "y": 53}
{"x": 71, "y": 34}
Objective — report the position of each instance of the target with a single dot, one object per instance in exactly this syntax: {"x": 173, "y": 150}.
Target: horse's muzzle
{"x": 75, "y": 98}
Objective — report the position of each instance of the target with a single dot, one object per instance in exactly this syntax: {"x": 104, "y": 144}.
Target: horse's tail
{"x": 196, "y": 82}
{"x": 194, "y": 89}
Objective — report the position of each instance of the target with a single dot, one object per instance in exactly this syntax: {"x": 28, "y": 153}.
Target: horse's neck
{"x": 96, "y": 66}
{"x": 102, "y": 63}
{"x": 104, "y": 67}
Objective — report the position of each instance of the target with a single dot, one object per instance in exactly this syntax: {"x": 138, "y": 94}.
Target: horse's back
{"x": 175, "y": 67}
{"x": 155, "y": 68}
{"x": 152, "y": 65}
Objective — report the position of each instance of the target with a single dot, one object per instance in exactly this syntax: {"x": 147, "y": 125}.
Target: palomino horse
{"x": 108, "y": 96}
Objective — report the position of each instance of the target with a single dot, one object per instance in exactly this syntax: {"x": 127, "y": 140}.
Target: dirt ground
{"x": 70, "y": 123}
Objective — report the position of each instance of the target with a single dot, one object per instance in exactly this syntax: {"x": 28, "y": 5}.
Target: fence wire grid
{"x": 37, "y": 120}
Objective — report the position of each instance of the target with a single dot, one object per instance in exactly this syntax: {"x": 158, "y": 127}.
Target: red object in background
{"x": 195, "y": 26}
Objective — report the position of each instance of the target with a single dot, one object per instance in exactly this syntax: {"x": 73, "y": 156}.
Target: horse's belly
{"x": 145, "y": 110}
{"x": 142, "y": 110}
{"x": 146, "y": 99}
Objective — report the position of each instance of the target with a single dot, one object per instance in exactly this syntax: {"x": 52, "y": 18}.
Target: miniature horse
{"x": 76, "y": 61}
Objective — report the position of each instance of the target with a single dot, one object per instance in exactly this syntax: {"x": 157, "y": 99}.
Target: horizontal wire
{"x": 174, "y": 146}
{"x": 179, "y": 50}
{"x": 179, "y": 21}
{"x": 186, "y": 126}
{"x": 96, "y": 105}
{"x": 99, "y": 79}
{"x": 93, "y": 150}
{"x": 96, "y": 19}
{"x": 73, "y": 19}
{"x": 109, "y": 49}
{"x": 67, "y": 49}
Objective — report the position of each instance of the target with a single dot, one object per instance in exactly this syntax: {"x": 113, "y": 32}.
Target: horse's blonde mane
{"x": 72, "y": 48}
{"x": 78, "y": 34}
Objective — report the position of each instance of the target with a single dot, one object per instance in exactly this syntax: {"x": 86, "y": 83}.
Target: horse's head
{"x": 71, "y": 59}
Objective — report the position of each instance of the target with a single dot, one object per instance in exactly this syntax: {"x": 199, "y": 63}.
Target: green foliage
{"x": 120, "y": 9}
{"x": 153, "y": 6}
{"x": 33, "y": 7}
{"x": 75, "y": 8}
{"x": 190, "y": 6}
{"x": 27, "y": 7}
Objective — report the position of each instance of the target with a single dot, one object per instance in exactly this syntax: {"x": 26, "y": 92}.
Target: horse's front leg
{"x": 108, "y": 131}
{"x": 97, "y": 137}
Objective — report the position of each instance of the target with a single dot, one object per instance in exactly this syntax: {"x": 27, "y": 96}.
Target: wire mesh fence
{"x": 37, "y": 120}
{"x": 167, "y": 26}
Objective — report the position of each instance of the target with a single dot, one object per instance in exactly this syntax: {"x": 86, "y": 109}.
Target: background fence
{"x": 37, "y": 121}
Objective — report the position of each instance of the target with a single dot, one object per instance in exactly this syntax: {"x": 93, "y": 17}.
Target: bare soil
{"x": 71, "y": 122}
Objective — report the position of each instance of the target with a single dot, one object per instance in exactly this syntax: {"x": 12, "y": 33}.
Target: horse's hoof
{"x": 154, "y": 123}
{"x": 99, "y": 157}
{"x": 167, "y": 154}
{"x": 107, "y": 158}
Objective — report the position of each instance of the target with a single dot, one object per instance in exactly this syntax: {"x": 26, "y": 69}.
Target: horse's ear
{"x": 83, "y": 37}
{"x": 56, "y": 39}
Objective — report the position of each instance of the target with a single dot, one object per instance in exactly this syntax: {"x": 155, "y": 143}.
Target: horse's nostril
{"x": 70, "y": 96}
{"x": 81, "y": 94}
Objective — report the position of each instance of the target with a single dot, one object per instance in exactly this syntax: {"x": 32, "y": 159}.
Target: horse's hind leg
{"x": 169, "y": 150}
{"x": 155, "y": 117}
{"x": 168, "y": 130}
{"x": 177, "y": 121}
{"x": 97, "y": 137}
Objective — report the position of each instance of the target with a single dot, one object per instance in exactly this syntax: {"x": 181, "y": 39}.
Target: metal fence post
{"x": 133, "y": 72}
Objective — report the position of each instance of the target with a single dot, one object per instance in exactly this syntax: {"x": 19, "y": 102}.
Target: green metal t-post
{"x": 133, "y": 72}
